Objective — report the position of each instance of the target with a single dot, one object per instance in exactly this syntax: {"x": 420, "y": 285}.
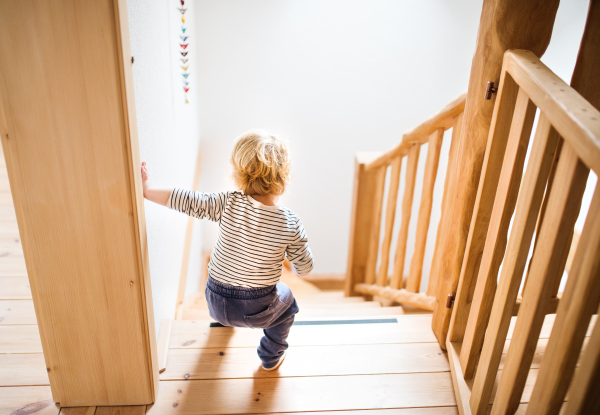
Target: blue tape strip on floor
{"x": 333, "y": 322}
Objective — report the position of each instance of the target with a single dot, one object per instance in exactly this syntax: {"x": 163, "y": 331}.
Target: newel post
{"x": 363, "y": 205}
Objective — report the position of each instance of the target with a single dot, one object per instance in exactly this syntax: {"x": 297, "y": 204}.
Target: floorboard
{"x": 28, "y": 400}
{"x": 78, "y": 410}
{"x": 302, "y": 394}
{"x": 415, "y": 329}
{"x": 17, "y": 312}
{"x": 20, "y": 339}
{"x": 307, "y": 361}
{"x": 23, "y": 370}
{"x": 446, "y": 410}
{"x": 15, "y": 288}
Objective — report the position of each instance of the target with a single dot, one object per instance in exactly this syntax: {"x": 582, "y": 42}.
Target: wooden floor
{"x": 349, "y": 356}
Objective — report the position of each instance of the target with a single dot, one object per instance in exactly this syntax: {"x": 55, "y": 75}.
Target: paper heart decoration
{"x": 182, "y": 10}
{"x": 186, "y": 89}
{"x": 183, "y": 46}
{"x": 183, "y": 38}
{"x": 185, "y": 75}
{"x": 185, "y": 68}
{"x": 183, "y": 60}
{"x": 183, "y": 53}
{"x": 183, "y": 29}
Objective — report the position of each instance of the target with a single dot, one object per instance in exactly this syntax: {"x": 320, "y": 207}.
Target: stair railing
{"x": 363, "y": 277}
{"x": 545, "y": 200}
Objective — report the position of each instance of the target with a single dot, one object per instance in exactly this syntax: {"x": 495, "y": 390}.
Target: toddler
{"x": 255, "y": 235}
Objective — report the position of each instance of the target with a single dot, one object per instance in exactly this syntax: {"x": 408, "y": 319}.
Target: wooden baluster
{"x": 528, "y": 206}
{"x": 379, "y": 184}
{"x": 431, "y": 166}
{"x": 578, "y": 304}
{"x": 390, "y": 214}
{"x": 360, "y": 225}
{"x": 585, "y": 389}
{"x": 409, "y": 190}
{"x": 490, "y": 174}
{"x": 563, "y": 208}
{"x": 495, "y": 244}
{"x": 449, "y": 188}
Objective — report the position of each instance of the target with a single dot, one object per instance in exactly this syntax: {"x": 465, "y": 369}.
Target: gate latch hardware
{"x": 490, "y": 90}
{"x": 449, "y": 301}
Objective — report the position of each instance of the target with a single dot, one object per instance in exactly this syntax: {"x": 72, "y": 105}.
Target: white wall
{"x": 168, "y": 134}
{"x": 335, "y": 77}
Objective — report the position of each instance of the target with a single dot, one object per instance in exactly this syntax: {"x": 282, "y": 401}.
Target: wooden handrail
{"x": 367, "y": 212}
{"x": 443, "y": 119}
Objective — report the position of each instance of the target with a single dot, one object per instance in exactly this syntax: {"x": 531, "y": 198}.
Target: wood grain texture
{"x": 290, "y": 394}
{"x": 361, "y": 222}
{"x": 17, "y": 312}
{"x": 402, "y": 296}
{"x": 188, "y": 239}
{"x": 448, "y": 196}
{"x": 20, "y": 339}
{"x": 526, "y": 214}
{"x": 14, "y": 288}
{"x": 580, "y": 301}
{"x": 30, "y": 400}
{"x": 164, "y": 336}
{"x": 78, "y": 410}
{"x": 504, "y": 24}
{"x": 407, "y": 200}
{"x": 507, "y": 190}
{"x": 390, "y": 215}
{"x": 345, "y": 360}
{"x": 413, "y": 283}
{"x": 563, "y": 208}
{"x": 121, "y": 410}
{"x": 374, "y": 232}
{"x": 409, "y": 329}
{"x": 492, "y": 166}
{"x": 83, "y": 237}
{"x": 23, "y": 370}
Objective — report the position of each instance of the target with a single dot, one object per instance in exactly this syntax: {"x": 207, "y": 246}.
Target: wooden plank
{"x": 90, "y": 221}
{"x": 121, "y": 410}
{"x": 585, "y": 394}
{"x": 291, "y": 394}
{"x": 402, "y": 296}
{"x": 15, "y": 288}
{"x": 17, "y": 312}
{"x": 20, "y": 339}
{"x": 444, "y": 119}
{"x": 407, "y": 200}
{"x": 526, "y": 25}
{"x": 238, "y": 363}
{"x": 23, "y": 370}
{"x": 190, "y": 314}
{"x": 164, "y": 336}
{"x": 361, "y": 222}
{"x": 373, "y": 247}
{"x": 78, "y": 410}
{"x": 413, "y": 283}
{"x": 188, "y": 239}
{"x": 30, "y": 400}
{"x": 439, "y": 410}
{"x": 409, "y": 329}
{"x": 528, "y": 205}
{"x": 502, "y": 120}
{"x": 563, "y": 208}
{"x": 390, "y": 215}
{"x": 507, "y": 190}
{"x": 579, "y": 303}
{"x": 449, "y": 190}
{"x": 575, "y": 119}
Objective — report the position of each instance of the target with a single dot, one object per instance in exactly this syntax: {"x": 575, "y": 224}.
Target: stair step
{"x": 242, "y": 362}
{"x": 409, "y": 329}
{"x": 196, "y": 314}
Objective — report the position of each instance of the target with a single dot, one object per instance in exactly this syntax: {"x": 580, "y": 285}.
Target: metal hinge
{"x": 450, "y": 301}
{"x": 490, "y": 90}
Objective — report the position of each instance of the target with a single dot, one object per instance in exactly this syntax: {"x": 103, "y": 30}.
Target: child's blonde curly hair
{"x": 261, "y": 163}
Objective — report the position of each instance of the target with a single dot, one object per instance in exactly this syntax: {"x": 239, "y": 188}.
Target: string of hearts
{"x": 184, "y": 52}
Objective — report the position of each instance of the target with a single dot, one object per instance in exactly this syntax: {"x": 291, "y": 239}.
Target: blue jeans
{"x": 269, "y": 308}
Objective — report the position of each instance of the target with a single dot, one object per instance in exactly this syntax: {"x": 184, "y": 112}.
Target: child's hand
{"x": 144, "y": 172}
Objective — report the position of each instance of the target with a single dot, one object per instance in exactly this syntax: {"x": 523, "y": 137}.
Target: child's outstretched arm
{"x": 153, "y": 194}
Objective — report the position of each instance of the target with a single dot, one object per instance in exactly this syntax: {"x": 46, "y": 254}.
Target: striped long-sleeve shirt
{"x": 253, "y": 238}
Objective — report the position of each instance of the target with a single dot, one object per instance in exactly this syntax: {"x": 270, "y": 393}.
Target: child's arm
{"x": 299, "y": 253}
{"x": 153, "y": 194}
